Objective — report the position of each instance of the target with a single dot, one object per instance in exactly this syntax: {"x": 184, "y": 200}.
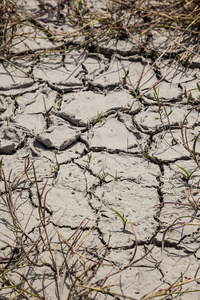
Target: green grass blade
{"x": 188, "y": 175}
{"x": 122, "y": 218}
{"x": 135, "y": 93}
{"x": 193, "y": 171}
{"x": 171, "y": 111}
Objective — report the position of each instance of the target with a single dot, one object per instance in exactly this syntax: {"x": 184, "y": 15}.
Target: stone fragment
{"x": 171, "y": 263}
{"x": 58, "y": 137}
{"x": 16, "y": 162}
{"x": 37, "y": 102}
{"x": 31, "y": 5}
{"x": 179, "y": 201}
{"x": 6, "y": 108}
{"x": 35, "y": 123}
{"x": 176, "y": 215}
{"x": 125, "y": 47}
{"x": 122, "y": 166}
{"x": 67, "y": 199}
{"x": 113, "y": 136}
{"x": 13, "y": 79}
{"x": 71, "y": 177}
{"x": 94, "y": 65}
{"x": 168, "y": 146}
{"x": 25, "y": 212}
{"x": 135, "y": 203}
{"x": 36, "y": 39}
{"x": 136, "y": 281}
{"x": 152, "y": 121}
{"x": 191, "y": 238}
{"x": 175, "y": 179}
{"x": 64, "y": 156}
{"x": 174, "y": 92}
{"x": 132, "y": 71}
{"x": 83, "y": 107}
{"x": 176, "y": 73}
{"x": 11, "y": 138}
{"x": 191, "y": 92}
{"x": 165, "y": 43}
{"x": 62, "y": 77}
{"x": 69, "y": 207}
{"x": 177, "y": 261}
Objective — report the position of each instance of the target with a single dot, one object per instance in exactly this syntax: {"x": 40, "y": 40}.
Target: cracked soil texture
{"x": 77, "y": 115}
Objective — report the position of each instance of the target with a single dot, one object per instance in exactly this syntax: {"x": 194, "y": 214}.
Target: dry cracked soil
{"x": 98, "y": 146}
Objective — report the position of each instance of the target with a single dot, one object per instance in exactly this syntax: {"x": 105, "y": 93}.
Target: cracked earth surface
{"x": 108, "y": 149}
